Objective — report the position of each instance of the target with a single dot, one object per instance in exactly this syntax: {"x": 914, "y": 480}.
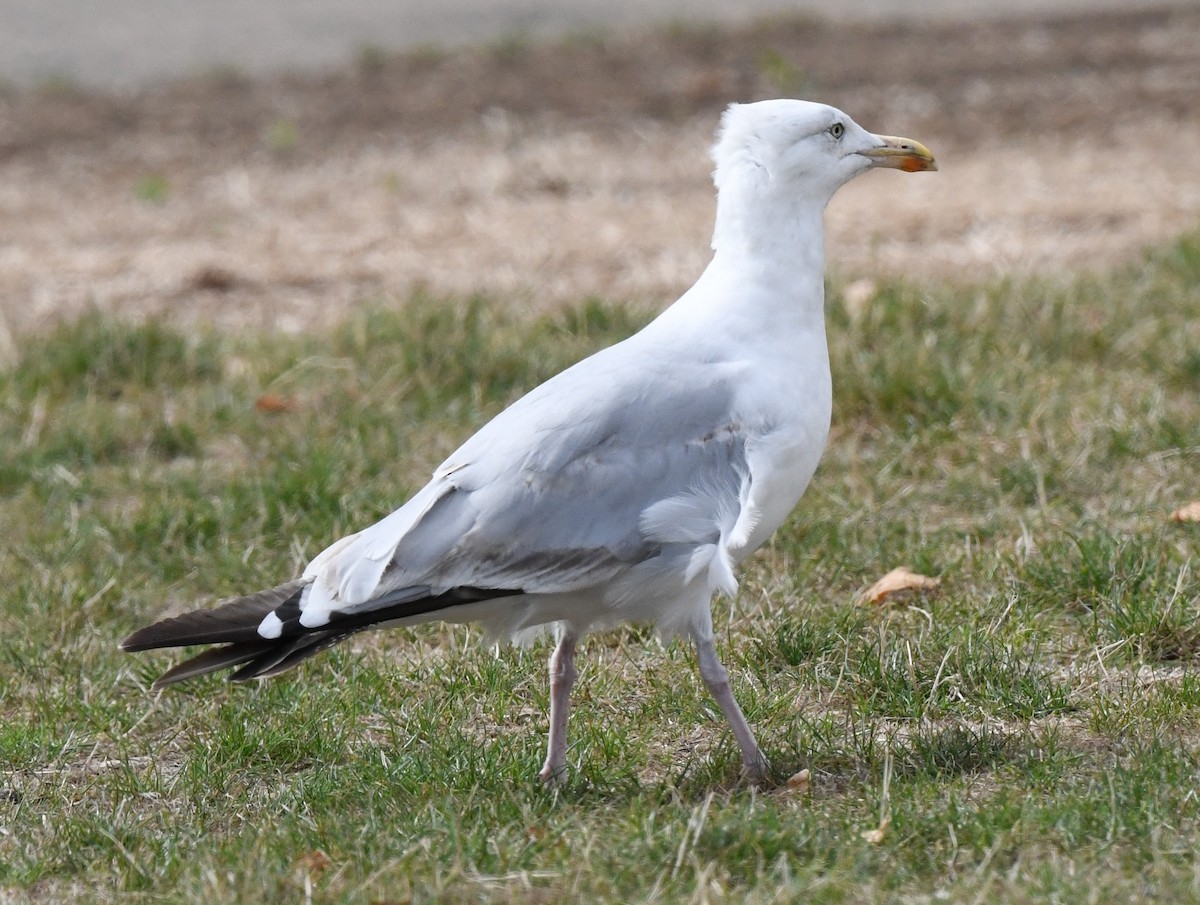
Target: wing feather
{"x": 553, "y": 498}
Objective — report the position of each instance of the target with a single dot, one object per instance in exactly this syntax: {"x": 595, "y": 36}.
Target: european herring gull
{"x": 629, "y": 487}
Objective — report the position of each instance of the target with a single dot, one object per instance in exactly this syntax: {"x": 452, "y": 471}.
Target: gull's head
{"x": 797, "y": 150}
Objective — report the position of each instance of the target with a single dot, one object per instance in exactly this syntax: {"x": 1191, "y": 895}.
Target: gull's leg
{"x": 562, "y": 677}
{"x": 716, "y": 677}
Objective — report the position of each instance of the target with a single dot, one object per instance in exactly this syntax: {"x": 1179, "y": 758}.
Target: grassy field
{"x": 1031, "y": 732}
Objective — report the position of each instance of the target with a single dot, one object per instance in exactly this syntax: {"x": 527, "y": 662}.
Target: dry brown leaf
{"x": 274, "y": 404}
{"x": 216, "y": 279}
{"x": 896, "y": 581}
{"x": 1188, "y": 513}
{"x": 315, "y": 862}
{"x": 800, "y": 783}
{"x": 876, "y": 835}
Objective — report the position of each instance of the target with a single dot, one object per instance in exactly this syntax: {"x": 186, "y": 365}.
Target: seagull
{"x": 629, "y": 487}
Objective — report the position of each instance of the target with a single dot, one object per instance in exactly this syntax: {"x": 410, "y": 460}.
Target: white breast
{"x": 797, "y": 402}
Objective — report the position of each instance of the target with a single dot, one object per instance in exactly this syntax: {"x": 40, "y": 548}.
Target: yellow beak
{"x": 901, "y": 154}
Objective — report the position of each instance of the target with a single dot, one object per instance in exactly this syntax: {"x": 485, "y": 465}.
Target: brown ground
{"x": 546, "y": 173}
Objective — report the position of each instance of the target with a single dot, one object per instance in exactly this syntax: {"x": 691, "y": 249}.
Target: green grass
{"x": 1031, "y": 732}
{"x": 153, "y": 188}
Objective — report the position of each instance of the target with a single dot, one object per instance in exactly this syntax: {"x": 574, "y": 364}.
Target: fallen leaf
{"x": 876, "y": 835}
{"x": 1188, "y": 513}
{"x": 274, "y": 404}
{"x": 800, "y": 782}
{"x": 535, "y": 833}
{"x": 315, "y": 862}
{"x": 896, "y": 581}
{"x": 216, "y": 279}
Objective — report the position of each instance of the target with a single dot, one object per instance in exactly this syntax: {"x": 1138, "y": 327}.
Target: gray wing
{"x": 600, "y": 468}
{"x": 551, "y": 495}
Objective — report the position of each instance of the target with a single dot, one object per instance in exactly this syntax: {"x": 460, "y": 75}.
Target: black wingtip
{"x": 233, "y": 621}
{"x": 234, "y": 626}
{"x": 142, "y": 639}
{"x": 213, "y": 660}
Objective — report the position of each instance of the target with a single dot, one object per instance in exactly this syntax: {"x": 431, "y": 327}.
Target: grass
{"x": 1029, "y": 733}
{"x": 153, "y": 188}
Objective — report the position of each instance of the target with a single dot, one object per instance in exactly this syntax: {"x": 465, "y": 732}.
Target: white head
{"x": 784, "y": 159}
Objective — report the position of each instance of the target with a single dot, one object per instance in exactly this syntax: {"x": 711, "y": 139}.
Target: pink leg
{"x": 716, "y": 677}
{"x": 562, "y": 677}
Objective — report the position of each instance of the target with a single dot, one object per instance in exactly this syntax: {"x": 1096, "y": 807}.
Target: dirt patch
{"x": 543, "y": 174}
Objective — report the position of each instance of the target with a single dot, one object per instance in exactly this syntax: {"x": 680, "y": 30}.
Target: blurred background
{"x": 274, "y": 163}
{"x": 124, "y": 43}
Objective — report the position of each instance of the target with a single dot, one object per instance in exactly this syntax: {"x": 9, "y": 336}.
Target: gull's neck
{"x": 765, "y": 285}
{"x": 767, "y": 232}
{"x": 776, "y": 255}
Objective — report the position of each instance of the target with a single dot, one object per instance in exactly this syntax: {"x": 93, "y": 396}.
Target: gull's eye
{"x": 837, "y": 130}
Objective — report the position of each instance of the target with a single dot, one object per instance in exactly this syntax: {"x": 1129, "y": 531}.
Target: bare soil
{"x": 542, "y": 174}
